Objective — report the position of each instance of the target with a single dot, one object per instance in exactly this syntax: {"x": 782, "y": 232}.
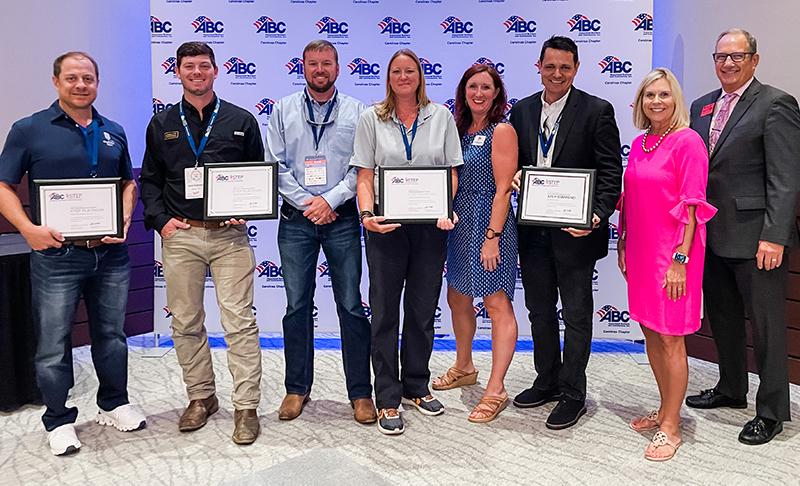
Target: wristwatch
{"x": 492, "y": 234}
{"x": 680, "y": 258}
{"x": 365, "y": 214}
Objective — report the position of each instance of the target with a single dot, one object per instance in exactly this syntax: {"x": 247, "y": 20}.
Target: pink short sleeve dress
{"x": 659, "y": 188}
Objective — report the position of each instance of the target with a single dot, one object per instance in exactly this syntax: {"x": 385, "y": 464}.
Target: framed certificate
{"x": 556, "y": 197}
{"x": 415, "y": 194}
{"x": 240, "y": 190}
{"x": 81, "y": 209}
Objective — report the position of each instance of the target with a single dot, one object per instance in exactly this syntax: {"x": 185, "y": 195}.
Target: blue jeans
{"x": 58, "y": 278}
{"x": 299, "y": 241}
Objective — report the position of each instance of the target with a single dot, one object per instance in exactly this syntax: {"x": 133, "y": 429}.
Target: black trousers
{"x": 413, "y": 255}
{"x": 734, "y": 288}
{"x": 544, "y": 276}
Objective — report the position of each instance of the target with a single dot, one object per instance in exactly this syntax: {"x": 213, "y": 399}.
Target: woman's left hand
{"x": 445, "y": 223}
{"x": 675, "y": 280}
{"x": 490, "y": 254}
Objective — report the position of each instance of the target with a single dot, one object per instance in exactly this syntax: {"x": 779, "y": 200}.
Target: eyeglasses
{"x": 721, "y": 57}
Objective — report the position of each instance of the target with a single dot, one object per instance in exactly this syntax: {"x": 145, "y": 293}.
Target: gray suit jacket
{"x": 754, "y": 172}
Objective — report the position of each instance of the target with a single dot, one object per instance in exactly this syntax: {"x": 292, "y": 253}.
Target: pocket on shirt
{"x": 750, "y": 203}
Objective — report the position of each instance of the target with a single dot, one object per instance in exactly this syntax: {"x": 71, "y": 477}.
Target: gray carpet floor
{"x": 325, "y": 446}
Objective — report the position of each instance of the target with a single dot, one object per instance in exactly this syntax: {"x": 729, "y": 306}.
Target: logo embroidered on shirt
{"x": 108, "y": 140}
{"x": 238, "y": 133}
{"x": 171, "y": 135}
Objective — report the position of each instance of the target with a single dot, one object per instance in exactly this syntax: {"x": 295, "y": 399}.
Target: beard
{"x": 321, "y": 89}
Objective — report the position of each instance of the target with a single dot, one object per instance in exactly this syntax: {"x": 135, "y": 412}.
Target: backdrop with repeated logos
{"x": 258, "y": 46}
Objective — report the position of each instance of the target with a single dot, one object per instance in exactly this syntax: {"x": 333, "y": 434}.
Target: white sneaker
{"x": 63, "y": 440}
{"x": 123, "y": 418}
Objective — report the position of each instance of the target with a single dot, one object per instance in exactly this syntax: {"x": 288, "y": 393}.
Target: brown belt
{"x": 204, "y": 224}
{"x": 87, "y": 243}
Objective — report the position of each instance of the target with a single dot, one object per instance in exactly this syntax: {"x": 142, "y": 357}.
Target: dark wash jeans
{"x": 58, "y": 278}
{"x": 299, "y": 241}
{"x": 414, "y": 255}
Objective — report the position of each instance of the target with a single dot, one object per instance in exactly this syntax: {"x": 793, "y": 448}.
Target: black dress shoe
{"x": 712, "y": 399}
{"x": 533, "y": 397}
{"x": 566, "y": 414}
{"x": 760, "y": 431}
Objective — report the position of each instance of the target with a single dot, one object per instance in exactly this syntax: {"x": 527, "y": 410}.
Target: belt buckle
{"x": 88, "y": 243}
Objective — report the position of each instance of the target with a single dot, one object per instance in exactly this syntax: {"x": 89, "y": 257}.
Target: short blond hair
{"x": 680, "y": 117}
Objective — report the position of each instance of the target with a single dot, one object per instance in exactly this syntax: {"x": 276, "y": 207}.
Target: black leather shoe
{"x": 533, "y": 397}
{"x": 760, "y": 431}
{"x": 566, "y": 414}
{"x": 712, "y": 399}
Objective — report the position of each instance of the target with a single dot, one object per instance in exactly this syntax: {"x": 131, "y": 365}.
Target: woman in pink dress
{"x": 661, "y": 248}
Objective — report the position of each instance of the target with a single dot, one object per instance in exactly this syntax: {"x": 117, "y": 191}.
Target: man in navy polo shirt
{"x": 60, "y": 143}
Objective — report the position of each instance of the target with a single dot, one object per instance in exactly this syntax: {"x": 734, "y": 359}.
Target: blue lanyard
{"x": 317, "y": 138}
{"x": 547, "y": 144}
{"x": 199, "y": 150}
{"x": 405, "y": 137}
{"x": 94, "y": 150}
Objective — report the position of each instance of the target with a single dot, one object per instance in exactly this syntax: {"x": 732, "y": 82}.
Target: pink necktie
{"x": 720, "y": 120}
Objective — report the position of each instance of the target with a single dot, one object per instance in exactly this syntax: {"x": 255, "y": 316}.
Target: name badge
{"x": 193, "y": 182}
{"x": 478, "y": 140}
{"x": 707, "y": 110}
{"x": 316, "y": 170}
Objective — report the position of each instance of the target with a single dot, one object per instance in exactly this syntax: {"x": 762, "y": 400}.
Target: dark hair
{"x": 75, "y": 55}
{"x": 320, "y": 45}
{"x": 462, "y": 112}
{"x": 195, "y": 48}
{"x": 562, "y": 44}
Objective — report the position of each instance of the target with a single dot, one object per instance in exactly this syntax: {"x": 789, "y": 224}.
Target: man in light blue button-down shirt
{"x": 311, "y": 136}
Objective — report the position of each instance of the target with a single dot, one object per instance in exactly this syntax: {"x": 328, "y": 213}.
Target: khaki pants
{"x": 187, "y": 255}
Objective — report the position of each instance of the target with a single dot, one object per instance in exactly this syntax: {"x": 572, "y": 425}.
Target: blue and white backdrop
{"x": 258, "y": 46}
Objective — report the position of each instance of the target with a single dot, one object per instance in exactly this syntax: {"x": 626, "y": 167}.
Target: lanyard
{"x": 405, "y": 137}
{"x": 318, "y": 138}
{"x": 93, "y": 150}
{"x": 198, "y": 151}
{"x": 545, "y": 145}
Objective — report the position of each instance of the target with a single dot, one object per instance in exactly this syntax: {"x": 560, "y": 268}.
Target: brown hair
{"x": 76, "y": 55}
{"x": 462, "y": 112}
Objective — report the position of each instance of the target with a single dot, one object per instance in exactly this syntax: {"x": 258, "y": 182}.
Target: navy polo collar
{"x": 57, "y": 112}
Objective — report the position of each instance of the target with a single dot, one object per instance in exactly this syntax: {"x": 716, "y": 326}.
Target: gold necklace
{"x": 644, "y": 139}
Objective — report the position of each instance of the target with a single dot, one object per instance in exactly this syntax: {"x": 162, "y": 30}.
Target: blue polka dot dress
{"x": 473, "y": 205}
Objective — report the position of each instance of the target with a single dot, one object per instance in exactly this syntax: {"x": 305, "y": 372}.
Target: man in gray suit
{"x": 752, "y": 132}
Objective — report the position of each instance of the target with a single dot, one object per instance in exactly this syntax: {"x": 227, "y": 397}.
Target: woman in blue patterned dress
{"x": 482, "y": 249}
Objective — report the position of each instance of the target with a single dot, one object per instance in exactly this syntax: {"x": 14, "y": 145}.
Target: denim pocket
{"x": 55, "y": 252}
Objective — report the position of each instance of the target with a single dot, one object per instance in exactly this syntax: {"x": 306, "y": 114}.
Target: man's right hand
{"x": 172, "y": 226}
{"x": 516, "y": 180}
{"x": 42, "y": 237}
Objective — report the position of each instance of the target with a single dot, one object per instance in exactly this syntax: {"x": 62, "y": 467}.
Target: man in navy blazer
{"x": 565, "y": 127}
{"x": 753, "y": 134}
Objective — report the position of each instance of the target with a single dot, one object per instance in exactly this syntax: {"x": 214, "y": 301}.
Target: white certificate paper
{"x": 240, "y": 191}
{"x": 80, "y": 210}
{"x": 416, "y": 195}
{"x": 557, "y": 198}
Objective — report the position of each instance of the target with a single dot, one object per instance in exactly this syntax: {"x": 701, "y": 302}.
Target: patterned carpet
{"x": 325, "y": 446}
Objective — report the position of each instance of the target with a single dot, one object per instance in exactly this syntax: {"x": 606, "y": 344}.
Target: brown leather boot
{"x": 364, "y": 410}
{"x": 292, "y": 406}
{"x": 197, "y": 413}
{"x": 246, "y": 426}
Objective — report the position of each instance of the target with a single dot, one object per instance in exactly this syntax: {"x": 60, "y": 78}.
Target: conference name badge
{"x": 479, "y": 140}
{"x": 193, "y": 182}
{"x": 707, "y": 110}
{"x": 316, "y": 170}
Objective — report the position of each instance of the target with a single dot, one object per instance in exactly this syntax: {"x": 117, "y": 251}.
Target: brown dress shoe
{"x": 364, "y": 410}
{"x": 246, "y": 426}
{"x": 292, "y": 406}
{"x": 197, "y": 413}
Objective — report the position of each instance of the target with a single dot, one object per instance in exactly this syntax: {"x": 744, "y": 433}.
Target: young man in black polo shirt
{"x": 202, "y": 128}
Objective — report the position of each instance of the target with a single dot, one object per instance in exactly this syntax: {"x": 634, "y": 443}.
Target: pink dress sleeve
{"x": 691, "y": 170}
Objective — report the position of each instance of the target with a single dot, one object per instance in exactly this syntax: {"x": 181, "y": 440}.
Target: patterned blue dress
{"x": 473, "y": 205}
